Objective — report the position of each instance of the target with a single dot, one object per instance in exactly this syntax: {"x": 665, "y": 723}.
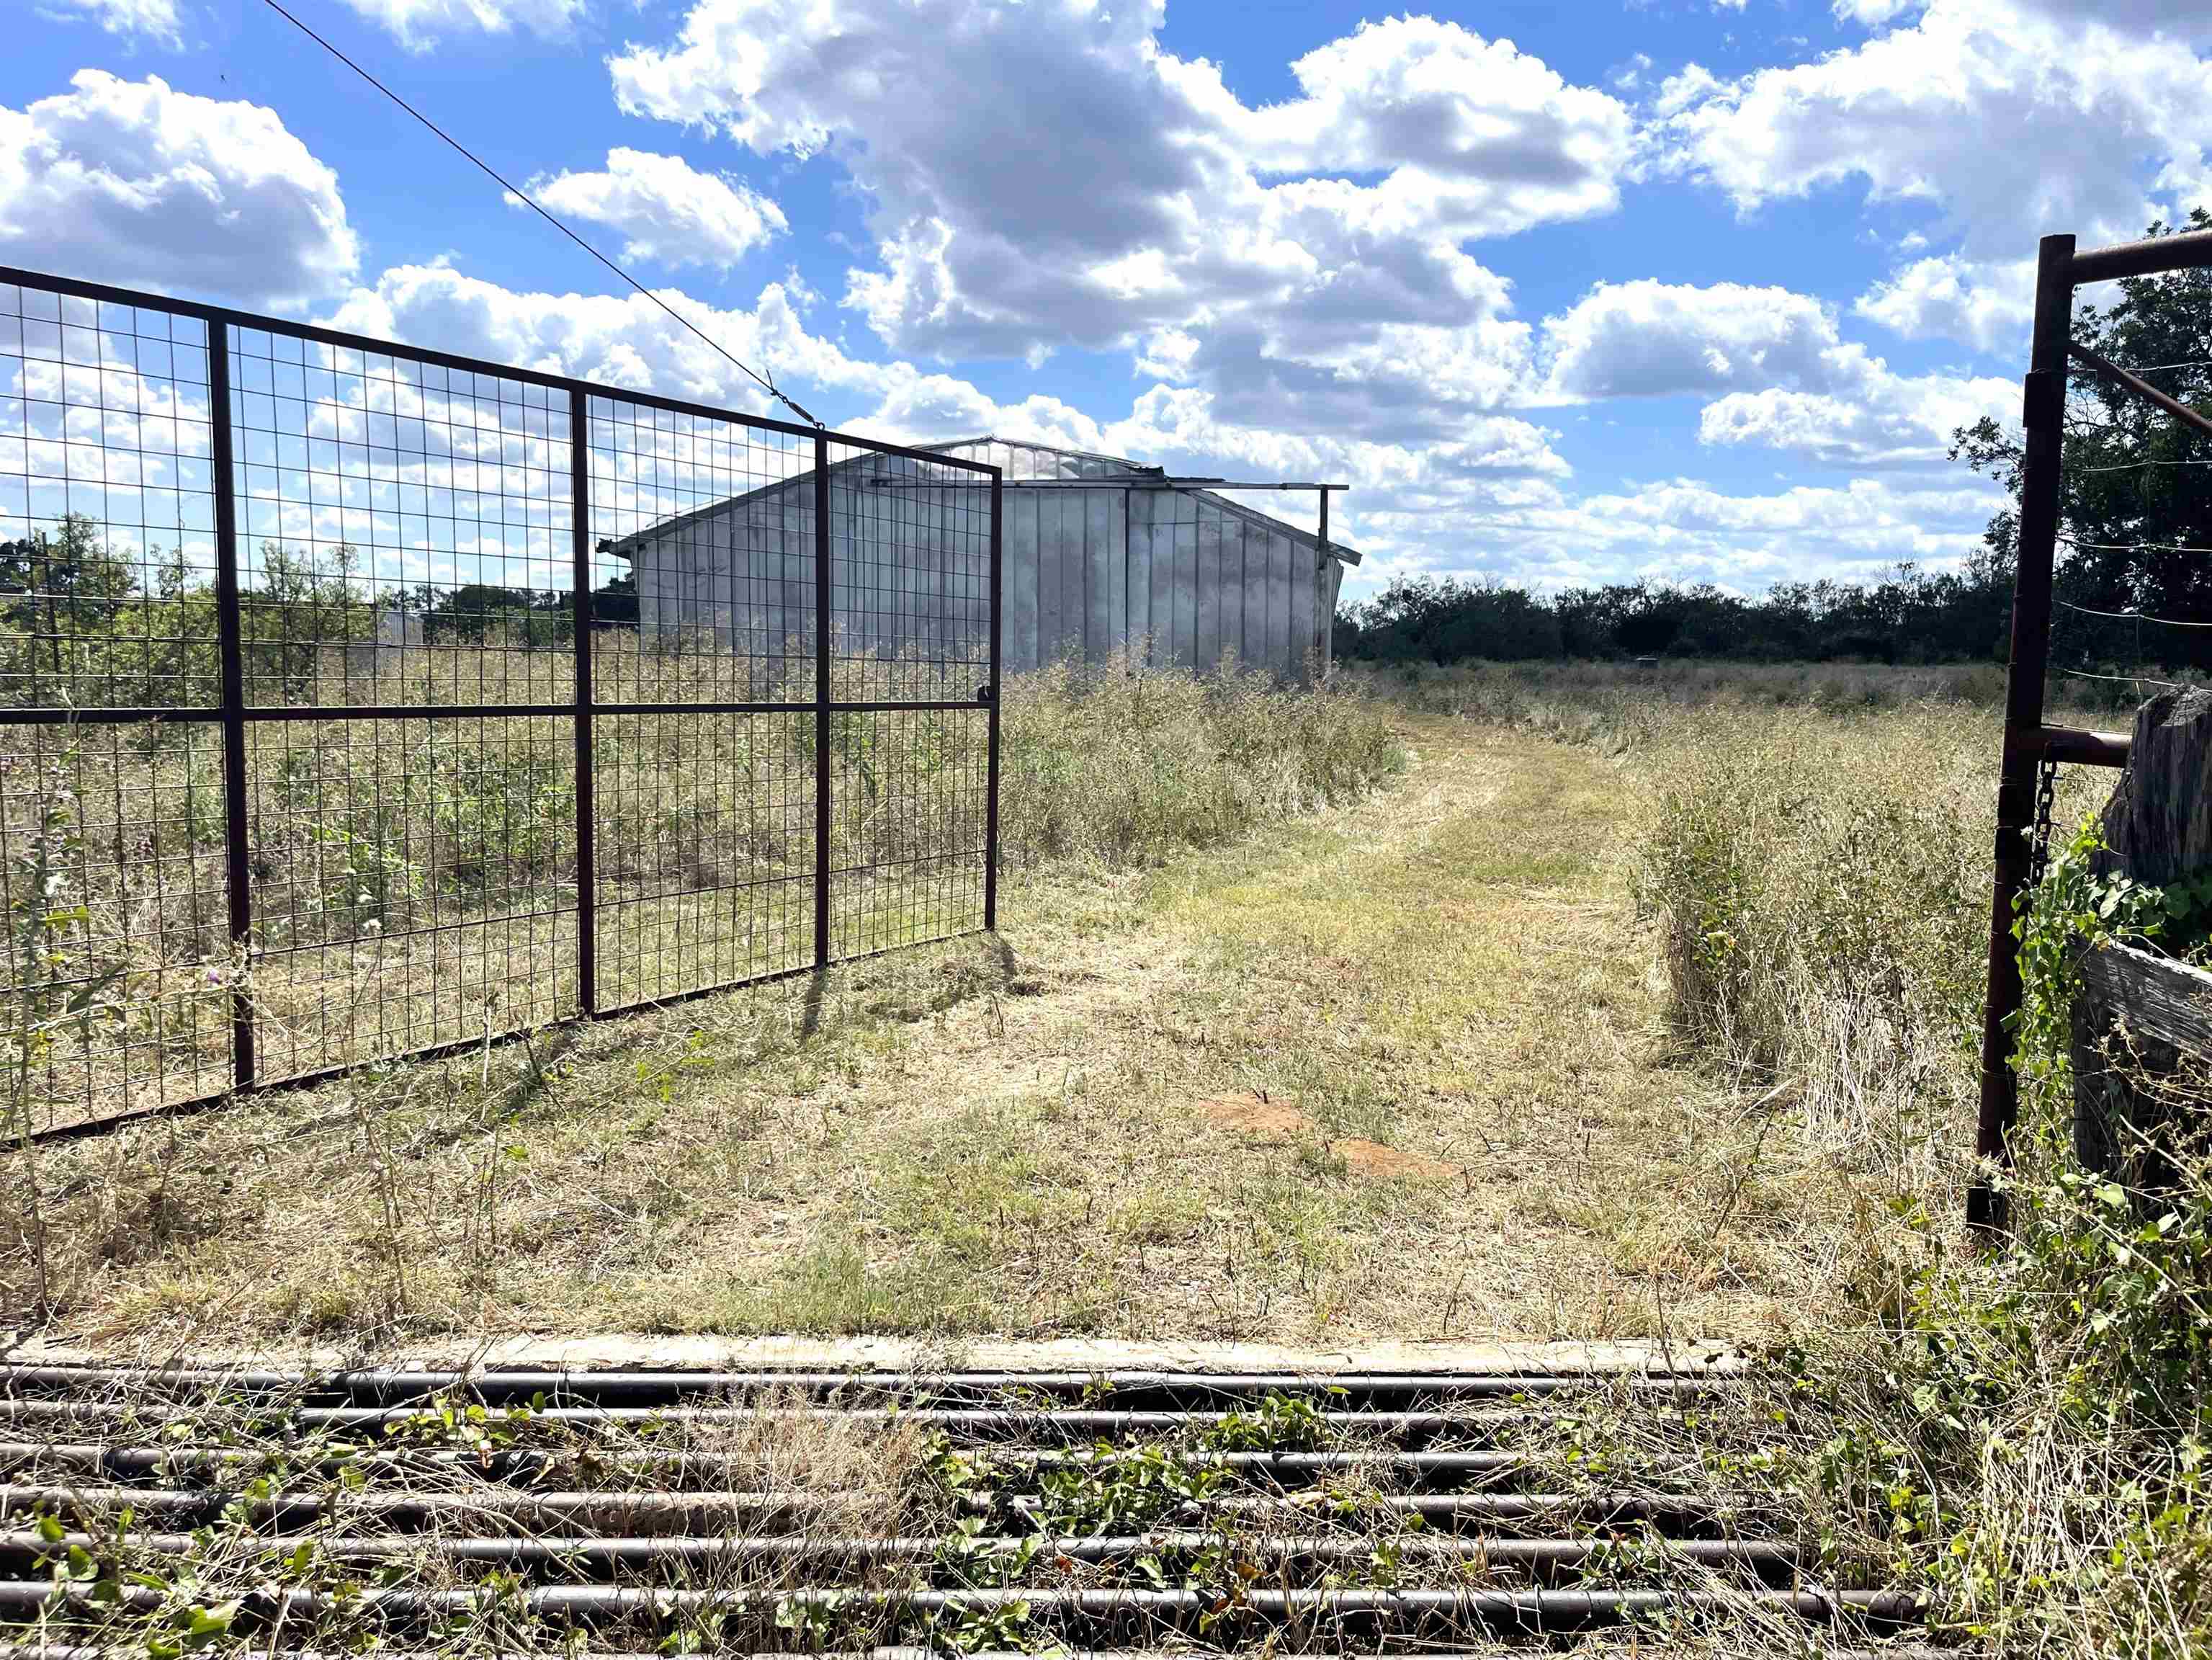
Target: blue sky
{"x": 1566, "y": 293}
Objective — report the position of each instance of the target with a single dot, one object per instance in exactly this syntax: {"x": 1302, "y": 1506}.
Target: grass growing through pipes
{"x": 258, "y": 1534}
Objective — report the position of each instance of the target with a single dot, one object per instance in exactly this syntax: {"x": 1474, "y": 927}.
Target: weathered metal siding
{"x": 1209, "y": 584}
{"x": 1192, "y": 577}
{"x": 910, "y": 574}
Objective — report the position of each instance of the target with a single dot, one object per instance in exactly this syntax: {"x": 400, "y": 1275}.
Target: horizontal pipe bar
{"x": 53, "y": 714}
{"x": 2189, "y": 251}
{"x": 1073, "y": 1425}
{"x": 1517, "y": 1608}
{"x": 1429, "y": 1470}
{"x": 632, "y": 1508}
{"x": 525, "y": 711}
{"x": 490, "y": 1384}
{"x": 2087, "y": 749}
{"x": 633, "y": 1552}
{"x": 220, "y": 316}
{"x": 885, "y": 1652}
{"x": 2142, "y": 388}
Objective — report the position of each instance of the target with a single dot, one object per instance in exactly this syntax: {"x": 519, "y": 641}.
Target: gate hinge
{"x": 983, "y": 694}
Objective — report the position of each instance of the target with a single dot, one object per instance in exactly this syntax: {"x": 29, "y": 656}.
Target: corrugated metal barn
{"x": 1101, "y": 554}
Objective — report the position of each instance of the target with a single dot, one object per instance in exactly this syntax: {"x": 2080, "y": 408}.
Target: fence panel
{"x": 359, "y": 702}
{"x": 702, "y": 543}
{"x": 911, "y": 669}
{"x": 403, "y": 534}
{"x": 112, "y": 866}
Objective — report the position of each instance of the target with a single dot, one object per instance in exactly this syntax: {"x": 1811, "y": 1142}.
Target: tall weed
{"x": 2020, "y": 1432}
{"x": 1126, "y": 764}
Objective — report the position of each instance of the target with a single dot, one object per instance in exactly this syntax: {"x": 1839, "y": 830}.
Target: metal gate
{"x": 360, "y": 702}
{"x": 2033, "y": 750}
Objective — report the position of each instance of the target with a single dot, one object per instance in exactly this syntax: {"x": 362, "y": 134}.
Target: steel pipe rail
{"x": 1889, "y": 1651}
{"x": 2190, "y": 250}
{"x": 2086, "y": 749}
{"x": 1427, "y": 1470}
{"x": 979, "y": 1425}
{"x": 785, "y": 1549}
{"x": 636, "y": 1510}
{"x": 1132, "y": 1388}
{"x": 1387, "y": 1609}
{"x": 2142, "y": 388}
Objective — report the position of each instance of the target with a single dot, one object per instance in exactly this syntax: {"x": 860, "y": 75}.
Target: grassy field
{"x": 1400, "y": 1066}
{"x": 1600, "y": 1002}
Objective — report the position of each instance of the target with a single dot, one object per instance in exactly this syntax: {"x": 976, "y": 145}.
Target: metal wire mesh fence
{"x": 359, "y": 702}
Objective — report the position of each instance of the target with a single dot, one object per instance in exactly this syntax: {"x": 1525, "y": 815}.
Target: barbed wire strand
{"x": 2131, "y": 547}
{"x": 766, "y": 383}
{"x": 2129, "y": 679}
{"x": 2130, "y": 616}
{"x": 2137, "y": 466}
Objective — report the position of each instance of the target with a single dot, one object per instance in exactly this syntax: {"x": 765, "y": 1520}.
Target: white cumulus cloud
{"x": 1860, "y": 413}
{"x": 668, "y": 212}
{"x": 154, "y": 20}
{"x": 1308, "y": 260}
{"x": 135, "y": 183}
{"x": 1647, "y": 339}
{"x": 419, "y": 24}
{"x": 2000, "y": 121}
{"x": 1987, "y": 304}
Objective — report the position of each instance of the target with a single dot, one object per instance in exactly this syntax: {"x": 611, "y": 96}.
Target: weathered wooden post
{"x": 2140, "y": 1033}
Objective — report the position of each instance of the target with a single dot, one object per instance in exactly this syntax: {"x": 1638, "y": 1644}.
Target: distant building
{"x": 1101, "y": 554}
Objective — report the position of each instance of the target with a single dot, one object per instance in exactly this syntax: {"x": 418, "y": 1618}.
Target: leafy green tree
{"x": 2135, "y": 486}
{"x": 62, "y": 586}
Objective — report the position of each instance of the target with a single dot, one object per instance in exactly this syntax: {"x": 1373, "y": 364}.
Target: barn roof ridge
{"x": 944, "y": 445}
{"x": 620, "y": 546}
{"x": 1248, "y": 513}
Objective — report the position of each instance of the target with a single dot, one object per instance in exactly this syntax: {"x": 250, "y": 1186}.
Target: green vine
{"x": 2073, "y": 909}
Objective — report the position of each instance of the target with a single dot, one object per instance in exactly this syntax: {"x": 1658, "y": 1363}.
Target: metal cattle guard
{"x": 386, "y": 579}
{"x": 2030, "y": 746}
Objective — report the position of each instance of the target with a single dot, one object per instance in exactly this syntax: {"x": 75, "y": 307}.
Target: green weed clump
{"x": 1126, "y": 764}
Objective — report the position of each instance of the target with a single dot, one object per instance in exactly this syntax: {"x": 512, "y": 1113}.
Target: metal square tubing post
{"x": 825, "y": 599}
{"x": 580, "y": 498}
{"x": 2044, "y": 417}
{"x": 995, "y": 691}
{"x": 1322, "y": 616}
{"x": 230, "y": 651}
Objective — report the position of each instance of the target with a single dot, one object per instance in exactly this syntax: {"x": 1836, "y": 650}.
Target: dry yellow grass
{"x": 1007, "y": 1136}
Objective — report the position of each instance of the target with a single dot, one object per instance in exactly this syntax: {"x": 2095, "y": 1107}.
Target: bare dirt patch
{"x": 1264, "y": 1120}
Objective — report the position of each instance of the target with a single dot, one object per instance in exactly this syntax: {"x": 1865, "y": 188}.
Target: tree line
{"x": 77, "y": 618}
{"x": 1911, "y": 616}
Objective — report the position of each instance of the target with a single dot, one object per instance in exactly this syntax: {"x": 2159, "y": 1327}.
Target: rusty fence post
{"x": 580, "y": 498}
{"x": 2044, "y": 417}
{"x": 230, "y": 651}
{"x": 991, "y": 719}
{"x": 824, "y": 600}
